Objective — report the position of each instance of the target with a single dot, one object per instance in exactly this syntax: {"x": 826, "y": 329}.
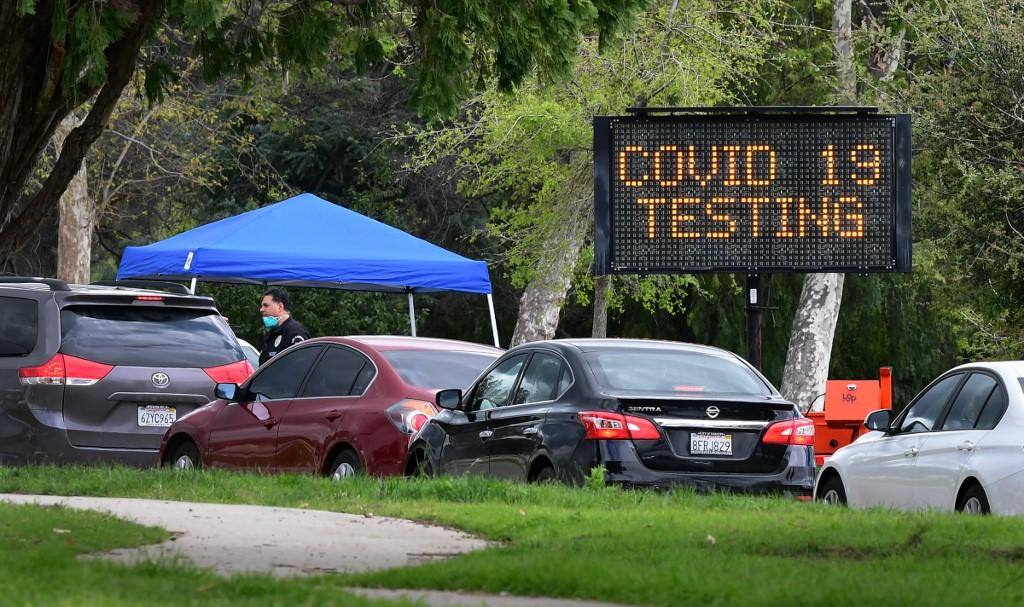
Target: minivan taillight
{"x": 605, "y": 425}
{"x": 234, "y": 373}
{"x": 410, "y": 415}
{"x": 64, "y": 370}
{"x": 798, "y": 431}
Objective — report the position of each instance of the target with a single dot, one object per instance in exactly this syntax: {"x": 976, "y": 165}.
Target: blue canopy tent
{"x": 306, "y": 241}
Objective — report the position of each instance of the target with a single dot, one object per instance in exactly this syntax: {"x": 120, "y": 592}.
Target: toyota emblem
{"x": 712, "y": 411}
{"x": 161, "y": 380}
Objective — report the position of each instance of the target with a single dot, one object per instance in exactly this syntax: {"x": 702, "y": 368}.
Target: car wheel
{"x": 186, "y": 457}
{"x": 974, "y": 501}
{"x": 345, "y": 465}
{"x": 832, "y": 492}
{"x": 545, "y": 475}
{"x": 422, "y": 468}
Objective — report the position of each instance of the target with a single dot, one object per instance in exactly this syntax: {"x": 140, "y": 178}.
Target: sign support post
{"x": 755, "y": 320}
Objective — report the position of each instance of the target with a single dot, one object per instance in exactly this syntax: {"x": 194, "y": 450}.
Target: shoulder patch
{"x": 297, "y": 339}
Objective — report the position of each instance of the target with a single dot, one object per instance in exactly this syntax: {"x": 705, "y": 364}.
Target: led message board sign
{"x": 752, "y": 192}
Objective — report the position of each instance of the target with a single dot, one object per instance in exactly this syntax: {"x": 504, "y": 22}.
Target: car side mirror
{"x": 448, "y": 399}
{"x": 879, "y": 421}
{"x": 228, "y": 392}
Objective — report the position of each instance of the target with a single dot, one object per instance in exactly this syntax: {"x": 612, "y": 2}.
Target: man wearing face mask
{"x": 282, "y": 330}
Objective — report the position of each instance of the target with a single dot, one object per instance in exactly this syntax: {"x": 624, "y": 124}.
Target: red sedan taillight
{"x": 604, "y": 425}
{"x": 64, "y": 370}
{"x": 410, "y": 415}
{"x": 234, "y": 373}
{"x": 798, "y": 431}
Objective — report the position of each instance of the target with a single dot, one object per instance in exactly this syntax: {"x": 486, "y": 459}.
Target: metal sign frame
{"x": 604, "y": 244}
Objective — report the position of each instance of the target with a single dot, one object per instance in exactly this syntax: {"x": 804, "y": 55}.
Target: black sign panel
{"x": 752, "y": 193}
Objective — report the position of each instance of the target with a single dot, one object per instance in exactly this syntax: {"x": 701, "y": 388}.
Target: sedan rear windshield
{"x": 148, "y": 337}
{"x": 678, "y": 371}
{"x": 437, "y": 369}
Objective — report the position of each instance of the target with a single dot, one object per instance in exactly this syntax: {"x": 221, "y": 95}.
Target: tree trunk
{"x": 541, "y": 303}
{"x": 78, "y": 215}
{"x": 601, "y": 286}
{"x": 810, "y": 342}
{"x": 34, "y": 99}
{"x": 544, "y": 296}
{"x": 814, "y": 325}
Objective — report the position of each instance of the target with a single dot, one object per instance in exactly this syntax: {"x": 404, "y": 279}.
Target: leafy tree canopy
{"x": 62, "y": 54}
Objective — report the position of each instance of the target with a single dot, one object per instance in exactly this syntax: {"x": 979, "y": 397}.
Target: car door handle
{"x": 911, "y": 452}
{"x": 332, "y": 415}
{"x": 486, "y": 434}
{"x": 270, "y": 423}
{"x": 530, "y": 431}
{"x": 965, "y": 446}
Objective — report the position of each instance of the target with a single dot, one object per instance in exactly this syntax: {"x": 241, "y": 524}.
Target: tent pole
{"x": 494, "y": 323}
{"x": 412, "y": 314}
{"x": 192, "y": 289}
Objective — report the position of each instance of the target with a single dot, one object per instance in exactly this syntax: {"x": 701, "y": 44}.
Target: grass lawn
{"x": 606, "y": 544}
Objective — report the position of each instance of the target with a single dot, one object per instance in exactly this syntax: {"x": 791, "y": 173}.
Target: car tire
{"x": 186, "y": 457}
{"x": 832, "y": 492}
{"x": 345, "y": 465}
{"x": 422, "y": 467}
{"x": 974, "y": 501}
{"x": 545, "y": 475}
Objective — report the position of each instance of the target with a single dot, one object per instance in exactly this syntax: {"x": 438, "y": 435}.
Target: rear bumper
{"x": 38, "y": 437}
{"x": 795, "y": 474}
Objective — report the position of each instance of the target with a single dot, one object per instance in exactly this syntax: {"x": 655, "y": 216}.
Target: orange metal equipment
{"x": 847, "y": 403}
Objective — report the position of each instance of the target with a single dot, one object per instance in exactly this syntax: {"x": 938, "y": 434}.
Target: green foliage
{"x": 26, "y": 7}
{"x": 446, "y": 40}
{"x": 595, "y": 479}
{"x": 530, "y": 154}
{"x": 966, "y": 74}
{"x": 86, "y": 31}
{"x": 505, "y": 40}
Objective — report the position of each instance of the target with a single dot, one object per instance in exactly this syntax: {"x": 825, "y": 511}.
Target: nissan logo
{"x": 161, "y": 380}
{"x": 712, "y": 411}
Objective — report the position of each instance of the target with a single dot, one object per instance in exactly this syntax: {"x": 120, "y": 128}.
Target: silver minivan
{"x": 97, "y": 373}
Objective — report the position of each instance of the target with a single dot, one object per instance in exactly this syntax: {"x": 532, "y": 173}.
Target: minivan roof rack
{"x": 159, "y": 285}
{"x": 54, "y": 283}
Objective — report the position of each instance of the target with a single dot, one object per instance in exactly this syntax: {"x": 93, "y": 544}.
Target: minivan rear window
{"x": 148, "y": 336}
{"x": 19, "y": 326}
{"x": 676, "y": 371}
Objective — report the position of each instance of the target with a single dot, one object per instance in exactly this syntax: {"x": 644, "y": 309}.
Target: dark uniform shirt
{"x": 286, "y": 334}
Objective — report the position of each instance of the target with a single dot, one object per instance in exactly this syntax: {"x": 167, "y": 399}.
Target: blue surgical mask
{"x": 270, "y": 322}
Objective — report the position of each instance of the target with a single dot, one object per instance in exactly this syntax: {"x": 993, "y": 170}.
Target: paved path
{"x": 280, "y": 541}
{"x": 287, "y": 542}
{"x": 436, "y": 598}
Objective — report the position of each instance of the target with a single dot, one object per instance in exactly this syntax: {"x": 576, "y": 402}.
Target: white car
{"x": 251, "y": 353}
{"x": 959, "y": 445}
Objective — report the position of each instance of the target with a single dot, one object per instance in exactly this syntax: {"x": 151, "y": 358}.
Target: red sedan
{"x": 337, "y": 406}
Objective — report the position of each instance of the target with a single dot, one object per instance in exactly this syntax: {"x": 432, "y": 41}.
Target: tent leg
{"x": 494, "y": 323}
{"x": 412, "y": 315}
{"x": 192, "y": 289}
